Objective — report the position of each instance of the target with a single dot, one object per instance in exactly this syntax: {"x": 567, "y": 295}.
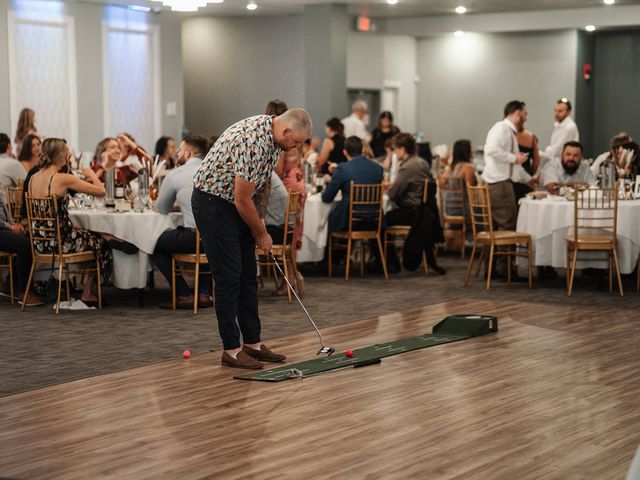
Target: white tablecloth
{"x": 141, "y": 229}
{"x": 315, "y": 229}
{"x": 548, "y": 221}
{"x": 316, "y": 226}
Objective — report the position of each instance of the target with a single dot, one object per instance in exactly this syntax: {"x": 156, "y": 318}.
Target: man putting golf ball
{"x": 230, "y": 196}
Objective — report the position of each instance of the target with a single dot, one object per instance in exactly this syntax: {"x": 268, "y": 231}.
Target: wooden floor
{"x": 555, "y": 394}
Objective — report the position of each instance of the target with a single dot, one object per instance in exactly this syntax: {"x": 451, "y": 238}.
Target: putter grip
{"x": 364, "y": 363}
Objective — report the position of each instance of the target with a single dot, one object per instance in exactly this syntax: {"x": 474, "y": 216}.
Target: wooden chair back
{"x": 596, "y": 212}
{"x": 365, "y": 205}
{"x": 292, "y": 216}
{"x": 14, "y": 202}
{"x": 452, "y": 197}
{"x": 480, "y": 209}
{"x": 42, "y": 216}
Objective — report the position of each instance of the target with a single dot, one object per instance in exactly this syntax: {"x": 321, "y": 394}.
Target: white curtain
{"x": 131, "y": 84}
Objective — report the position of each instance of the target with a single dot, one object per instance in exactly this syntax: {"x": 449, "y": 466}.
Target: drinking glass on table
{"x": 80, "y": 201}
{"x": 128, "y": 193}
{"x": 144, "y": 197}
{"x": 98, "y": 203}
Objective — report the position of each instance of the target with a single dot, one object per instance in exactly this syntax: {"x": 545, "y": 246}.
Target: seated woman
{"x": 460, "y": 173}
{"x": 166, "y": 152}
{"x": 50, "y": 181}
{"x": 106, "y": 156}
{"x": 331, "y": 153}
{"x": 30, "y": 153}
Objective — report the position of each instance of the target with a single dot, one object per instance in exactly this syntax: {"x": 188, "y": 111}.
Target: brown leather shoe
{"x": 205, "y": 301}
{"x": 242, "y": 360}
{"x": 264, "y": 354}
{"x": 182, "y": 303}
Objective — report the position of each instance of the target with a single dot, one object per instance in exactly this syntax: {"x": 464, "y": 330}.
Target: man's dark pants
{"x": 504, "y": 213}
{"x": 230, "y": 249}
{"x": 180, "y": 240}
{"x": 11, "y": 242}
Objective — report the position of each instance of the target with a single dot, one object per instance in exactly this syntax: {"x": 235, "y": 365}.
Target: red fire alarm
{"x": 586, "y": 71}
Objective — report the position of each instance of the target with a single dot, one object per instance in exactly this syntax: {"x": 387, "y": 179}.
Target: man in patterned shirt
{"x": 230, "y": 196}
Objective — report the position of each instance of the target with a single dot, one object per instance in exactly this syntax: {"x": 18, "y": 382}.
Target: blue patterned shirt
{"x": 246, "y": 149}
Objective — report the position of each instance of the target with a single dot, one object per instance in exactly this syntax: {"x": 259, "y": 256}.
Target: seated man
{"x": 13, "y": 240}
{"x": 11, "y": 170}
{"x": 570, "y": 172}
{"x": 358, "y": 169}
{"x": 178, "y": 186}
{"x": 407, "y": 192}
{"x": 274, "y": 221}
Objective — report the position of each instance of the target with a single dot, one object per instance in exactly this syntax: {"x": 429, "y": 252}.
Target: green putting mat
{"x": 451, "y": 329}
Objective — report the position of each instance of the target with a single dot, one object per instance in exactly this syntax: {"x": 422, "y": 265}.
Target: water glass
{"x": 98, "y": 202}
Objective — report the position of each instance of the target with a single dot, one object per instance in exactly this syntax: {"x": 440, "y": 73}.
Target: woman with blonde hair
{"x": 26, "y": 126}
{"x": 50, "y": 181}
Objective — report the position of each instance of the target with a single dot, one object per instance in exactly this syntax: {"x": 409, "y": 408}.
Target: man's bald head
{"x": 292, "y": 128}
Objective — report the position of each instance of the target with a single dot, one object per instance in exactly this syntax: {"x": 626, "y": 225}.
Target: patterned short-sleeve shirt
{"x": 246, "y": 149}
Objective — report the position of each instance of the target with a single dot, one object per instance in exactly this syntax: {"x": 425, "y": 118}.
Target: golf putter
{"x": 324, "y": 348}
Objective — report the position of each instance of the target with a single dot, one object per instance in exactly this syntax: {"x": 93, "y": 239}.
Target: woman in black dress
{"x": 384, "y": 131}
{"x": 331, "y": 152}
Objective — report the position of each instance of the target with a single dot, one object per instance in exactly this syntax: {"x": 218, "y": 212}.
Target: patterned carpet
{"x": 38, "y": 348}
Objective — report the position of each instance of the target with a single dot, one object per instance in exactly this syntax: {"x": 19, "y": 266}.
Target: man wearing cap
{"x": 564, "y": 130}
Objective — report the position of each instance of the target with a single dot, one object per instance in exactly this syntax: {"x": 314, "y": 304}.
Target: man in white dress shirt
{"x": 354, "y": 124}
{"x": 501, "y": 157}
{"x": 564, "y": 130}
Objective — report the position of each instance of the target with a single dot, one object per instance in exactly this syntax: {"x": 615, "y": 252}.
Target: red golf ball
{"x": 349, "y": 353}
{"x": 186, "y": 354}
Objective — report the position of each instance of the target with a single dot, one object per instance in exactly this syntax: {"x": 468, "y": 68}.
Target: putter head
{"x": 326, "y": 350}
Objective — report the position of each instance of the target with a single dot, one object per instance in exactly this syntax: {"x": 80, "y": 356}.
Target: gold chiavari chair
{"x": 14, "y": 202}
{"x": 42, "y": 215}
{"x": 452, "y": 199}
{"x": 595, "y": 223}
{"x": 484, "y": 235}
{"x": 182, "y": 263}
{"x": 365, "y": 208}
{"x": 285, "y": 252}
{"x": 9, "y": 266}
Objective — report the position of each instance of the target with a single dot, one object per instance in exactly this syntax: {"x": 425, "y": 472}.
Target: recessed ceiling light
{"x": 252, "y": 6}
{"x": 590, "y": 28}
{"x": 459, "y": 33}
{"x": 392, "y": 2}
{"x": 460, "y": 9}
{"x": 609, "y": 2}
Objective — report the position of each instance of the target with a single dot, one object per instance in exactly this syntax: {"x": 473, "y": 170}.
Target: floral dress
{"x": 74, "y": 239}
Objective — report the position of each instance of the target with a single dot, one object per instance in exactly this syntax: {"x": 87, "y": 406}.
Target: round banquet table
{"x": 316, "y": 226}
{"x": 315, "y": 229}
{"x": 549, "y": 221}
{"x": 140, "y": 229}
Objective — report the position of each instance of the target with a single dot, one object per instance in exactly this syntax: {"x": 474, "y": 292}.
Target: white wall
{"x": 234, "y": 66}
{"x": 375, "y": 61}
{"x": 88, "y": 19}
{"x": 465, "y": 82}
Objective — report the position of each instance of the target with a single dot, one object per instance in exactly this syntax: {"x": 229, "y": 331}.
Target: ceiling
{"x": 380, "y": 9}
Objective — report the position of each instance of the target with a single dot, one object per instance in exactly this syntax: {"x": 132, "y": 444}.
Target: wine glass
{"x": 128, "y": 193}
{"x": 80, "y": 201}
